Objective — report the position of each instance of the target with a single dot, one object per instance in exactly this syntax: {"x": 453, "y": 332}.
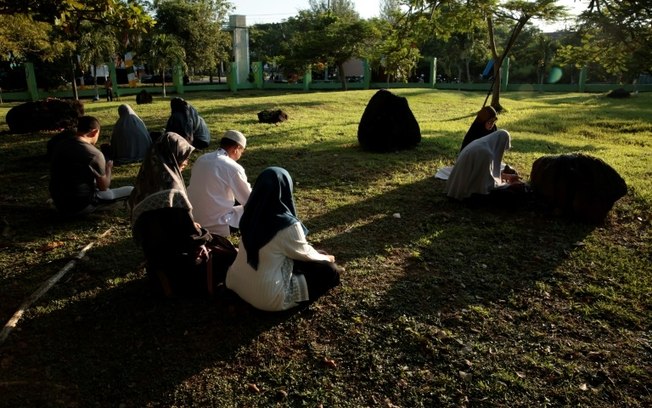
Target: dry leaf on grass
{"x": 50, "y": 246}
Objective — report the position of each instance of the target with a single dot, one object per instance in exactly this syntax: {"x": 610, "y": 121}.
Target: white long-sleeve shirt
{"x": 273, "y": 286}
{"x": 216, "y": 182}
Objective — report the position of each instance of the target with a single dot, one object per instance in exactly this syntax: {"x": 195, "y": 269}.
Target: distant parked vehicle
{"x": 154, "y": 79}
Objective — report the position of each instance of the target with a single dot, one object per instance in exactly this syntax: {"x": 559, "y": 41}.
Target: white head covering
{"x": 477, "y": 170}
{"x": 236, "y": 136}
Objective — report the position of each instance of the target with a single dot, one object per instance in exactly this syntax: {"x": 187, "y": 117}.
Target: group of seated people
{"x": 275, "y": 267}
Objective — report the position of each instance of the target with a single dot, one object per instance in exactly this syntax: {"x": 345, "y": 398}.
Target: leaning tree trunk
{"x": 495, "y": 94}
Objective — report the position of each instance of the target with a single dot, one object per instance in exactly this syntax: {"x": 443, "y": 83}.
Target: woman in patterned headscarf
{"x": 276, "y": 268}
{"x": 161, "y": 216}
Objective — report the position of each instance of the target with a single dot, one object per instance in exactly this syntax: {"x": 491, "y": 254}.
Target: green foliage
{"x": 266, "y": 41}
{"x": 164, "y": 52}
{"x": 197, "y": 26}
{"x": 617, "y": 35}
{"x": 344, "y": 9}
{"x": 323, "y": 37}
{"x": 97, "y": 46}
{"x": 23, "y": 39}
{"x": 394, "y": 52}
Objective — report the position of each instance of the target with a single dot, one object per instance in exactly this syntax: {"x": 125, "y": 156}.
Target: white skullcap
{"x": 236, "y": 136}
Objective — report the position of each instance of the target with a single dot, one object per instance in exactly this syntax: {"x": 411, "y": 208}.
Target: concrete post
{"x": 307, "y": 78}
{"x": 367, "y": 74}
{"x": 257, "y": 68}
{"x": 30, "y": 77}
{"x": 232, "y": 77}
{"x": 114, "y": 79}
{"x": 238, "y": 24}
{"x": 433, "y": 72}
{"x": 582, "y": 79}
{"x": 177, "y": 78}
{"x": 504, "y": 77}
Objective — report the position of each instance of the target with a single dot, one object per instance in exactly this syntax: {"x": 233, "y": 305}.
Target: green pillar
{"x": 31, "y": 81}
{"x": 231, "y": 78}
{"x": 504, "y": 74}
{"x": 114, "y": 79}
{"x": 307, "y": 78}
{"x": 433, "y": 72}
{"x": 257, "y": 69}
{"x": 582, "y": 81}
{"x": 177, "y": 78}
{"x": 367, "y": 74}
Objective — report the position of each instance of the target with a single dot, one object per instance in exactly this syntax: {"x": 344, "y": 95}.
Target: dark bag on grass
{"x": 272, "y": 116}
{"x": 388, "y": 124}
{"x": 577, "y": 185}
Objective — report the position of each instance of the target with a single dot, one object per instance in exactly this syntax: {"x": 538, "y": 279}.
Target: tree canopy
{"x": 197, "y": 26}
{"x": 617, "y": 35}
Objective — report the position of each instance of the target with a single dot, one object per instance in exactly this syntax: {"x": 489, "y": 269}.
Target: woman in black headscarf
{"x": 276, "y": 268}
{"x": 484, "y": 124}
{"x": 161, "y": 216}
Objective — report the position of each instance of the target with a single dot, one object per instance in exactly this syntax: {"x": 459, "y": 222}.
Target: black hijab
{"x": 478, "y": 129}
{"x": 269, "y": 209}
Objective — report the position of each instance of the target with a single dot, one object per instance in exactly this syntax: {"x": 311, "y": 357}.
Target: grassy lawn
{"x": 445, "y": 305}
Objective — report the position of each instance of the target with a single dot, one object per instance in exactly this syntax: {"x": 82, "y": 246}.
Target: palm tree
{"x": 164, "y": 52}
{"x": 97, "y": 45}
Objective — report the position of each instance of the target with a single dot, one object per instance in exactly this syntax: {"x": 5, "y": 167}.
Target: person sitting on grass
{"x": 130, "y": 140}
{"x": 276, "y": 268}
{"x": 186, "y": 121}
{"x": 80, "y": 176}
{"x": 484, "y": 124}
{"x": 218, "y": 185}
{"x": 477, "y": 171}
{"x": 162, "y": 222}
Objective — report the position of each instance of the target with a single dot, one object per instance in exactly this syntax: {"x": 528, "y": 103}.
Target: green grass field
{"x": 445, "y": 306}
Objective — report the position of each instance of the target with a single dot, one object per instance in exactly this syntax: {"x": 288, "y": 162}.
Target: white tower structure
{"x": 238, "y": 24}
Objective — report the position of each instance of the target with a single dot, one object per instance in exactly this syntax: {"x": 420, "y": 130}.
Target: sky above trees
{"x": 265, "y": 11}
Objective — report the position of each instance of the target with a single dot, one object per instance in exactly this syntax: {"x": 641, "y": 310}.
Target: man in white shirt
{"x": 218, "y": 186}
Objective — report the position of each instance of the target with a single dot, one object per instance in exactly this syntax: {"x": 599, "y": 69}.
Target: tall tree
{"x": 97, "y": 46}
{"x": 197, "y": 25}
{"x": 164, "y": 52}
{"x": 447, "y": 17}
{"x": 321, "y": 37}
{"x": 394, "y": 53}
{"x": 519, "y": 12}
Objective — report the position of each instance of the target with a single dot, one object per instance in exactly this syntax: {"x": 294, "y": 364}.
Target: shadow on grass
{"x": 115, "y": 343}
{"x": 453, "y": 254}
{"x": 106, "y": 340}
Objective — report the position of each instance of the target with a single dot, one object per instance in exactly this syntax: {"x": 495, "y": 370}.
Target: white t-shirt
{"x": 273, "y": 286}
{"x": 216, "y": 181}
